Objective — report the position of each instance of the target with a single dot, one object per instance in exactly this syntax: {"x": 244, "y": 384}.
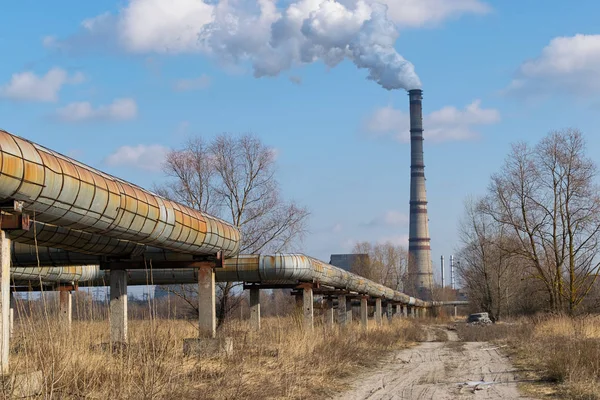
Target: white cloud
{"x": 397, "y": 240}
{"x": 337, "y": 228}
{"x": 202, "y": 82}
{"x": 567, "y": 63}
{"x": 118, "y": 110}
{"x": 28, "y": 86}
{"x": 145, "y": 157}
{"x": 446, "y": 124}
{"x": 389, "y": 218}
{"x": 274, "y": 39}
{"x": 417, "y": 13}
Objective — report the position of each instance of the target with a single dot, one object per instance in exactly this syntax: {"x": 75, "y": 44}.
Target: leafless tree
{"x": 233, "y": 177}
{"x": 386, "y": 263}
{"x": 546, "y": 196}
{"x": 489, "y": 267}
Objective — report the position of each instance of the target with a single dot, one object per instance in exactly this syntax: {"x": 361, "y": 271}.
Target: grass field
{"x": 280, "y": 362}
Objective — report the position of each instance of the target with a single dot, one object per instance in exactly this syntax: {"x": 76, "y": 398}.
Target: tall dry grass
{"x": 562, "y": 351}
{"x": 280, "y": 362}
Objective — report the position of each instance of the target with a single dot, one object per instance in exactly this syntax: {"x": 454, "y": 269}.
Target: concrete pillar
{"x": 309, "y": 315}
{"x": 397, "y": 310}
{"x": 424, "y": 313}
{"x": 414, "y": 312}
{"x": 207, "y": 307}
{"x": 378, "y": 312}
{"x": 328, "y": 315}
{"x": 118, "y": 306}
{"x": 342, "y": 311}
{"x": 405, "y": 311}
{"x": 348, "y": 311}
{"x": 389, "y": 312}
{"x": 11, "y": 314}
{"x": 364, "y": 313}
{"x": 4, "y": 302}
{"x": 455, "y": 312}
{"x": 255, "y": 309}
{"x": 65, "y": 307}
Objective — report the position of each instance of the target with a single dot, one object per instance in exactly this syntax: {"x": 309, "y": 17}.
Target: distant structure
{"x": 346, "y": 261}
{"x": 420, "y": 270}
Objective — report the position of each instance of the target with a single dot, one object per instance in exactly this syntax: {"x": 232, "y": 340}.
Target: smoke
{"x": 308, "y": 31}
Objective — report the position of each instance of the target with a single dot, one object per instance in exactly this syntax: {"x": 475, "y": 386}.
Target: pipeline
{"x": 279, "y": 268}
{"x": 60, "y": 191}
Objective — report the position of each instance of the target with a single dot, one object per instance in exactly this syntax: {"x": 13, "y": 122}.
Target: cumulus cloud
{"x": 144, "y": 157}
{"x": 567, "y": 63}
{"x": 199, "y": 83}
{"x": 274, "y": 39}
{"x": 446, "y": 124}
{"x": 119, "y": 110}
{"x": 27, "y": 86}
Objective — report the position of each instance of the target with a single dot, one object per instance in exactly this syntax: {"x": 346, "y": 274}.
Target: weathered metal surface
{"x": 60, "y": 191}
{"x": 273, "y": 269}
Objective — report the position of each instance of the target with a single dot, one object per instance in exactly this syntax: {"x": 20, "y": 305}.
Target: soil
{"x": 440, "y": 368}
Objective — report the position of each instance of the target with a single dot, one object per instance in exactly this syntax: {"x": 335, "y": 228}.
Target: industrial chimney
{"x": 420, "y": 271}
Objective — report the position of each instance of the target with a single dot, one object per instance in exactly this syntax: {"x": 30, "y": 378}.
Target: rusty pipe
{"x": 60, "y": 191}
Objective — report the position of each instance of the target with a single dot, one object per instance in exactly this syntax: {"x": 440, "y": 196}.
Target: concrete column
{"x": 342, "y": 311}
{"x": 348, "y": 311}
{"x": 328, "y": 315}
{"x": 255, "y": 309}
{"x": 455, "y": 312}
{"x": 118, "y": 306}
{"x": 309, "y": 315}
{"x": 397, "y": 310}
{"x": 405, "y": 311}
{"x": 11, "y": 314}
{"x": 378, "y": 312}
{"x": 65, "y": 307}
{"x": 364, "y": 313}
{"x": 389, "y": 312}
{"x": 424, "y": 313}
{"x": 414, "y": 312}
{"x": 4, "y": 302}
{"x": 207, "y": 307}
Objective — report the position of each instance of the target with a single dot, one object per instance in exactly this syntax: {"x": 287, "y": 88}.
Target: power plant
{"x": 420, "y": 271}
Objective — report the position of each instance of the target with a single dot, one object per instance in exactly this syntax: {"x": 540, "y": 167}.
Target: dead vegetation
{"x": 280, "y": 362}
{"x": 557, "y": 356}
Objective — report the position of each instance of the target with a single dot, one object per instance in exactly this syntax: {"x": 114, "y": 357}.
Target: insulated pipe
{"x": 280, "y": 268}
{"x": 60, "y": 191}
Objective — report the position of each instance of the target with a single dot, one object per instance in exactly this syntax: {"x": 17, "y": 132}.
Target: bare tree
{"x": 489, "y": 267}
{"x": 386, "y": 263}
{"x": 233, "y": 177}
{"x": 547, "y": 197}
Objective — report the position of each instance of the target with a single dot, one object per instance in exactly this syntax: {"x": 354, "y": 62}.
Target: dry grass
{"x": 280, "y": 362}
{"x": 561, "y": 352}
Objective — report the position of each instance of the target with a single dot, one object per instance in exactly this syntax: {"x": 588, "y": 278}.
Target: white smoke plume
{"x": 271, "y": 38}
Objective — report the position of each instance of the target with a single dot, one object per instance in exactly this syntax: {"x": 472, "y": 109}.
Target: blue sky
{"x": 115, "y": 84}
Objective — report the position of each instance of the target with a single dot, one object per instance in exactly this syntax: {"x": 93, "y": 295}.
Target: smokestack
{"x": 443, "y": 283}
{"x": 452, "y": 272}
{"x": 419, "y": 243}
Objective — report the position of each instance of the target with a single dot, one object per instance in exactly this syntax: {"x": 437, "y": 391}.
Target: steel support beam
{"x": 118, "y": 306}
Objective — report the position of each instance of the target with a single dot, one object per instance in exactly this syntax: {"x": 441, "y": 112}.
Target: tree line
{"x": 531, "y": 242}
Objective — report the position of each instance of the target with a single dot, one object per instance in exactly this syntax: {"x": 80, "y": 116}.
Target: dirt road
{"x": 440, "y": 370}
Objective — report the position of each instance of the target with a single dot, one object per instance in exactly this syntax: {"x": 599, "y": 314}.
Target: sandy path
{"x": 439, "y": 370}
